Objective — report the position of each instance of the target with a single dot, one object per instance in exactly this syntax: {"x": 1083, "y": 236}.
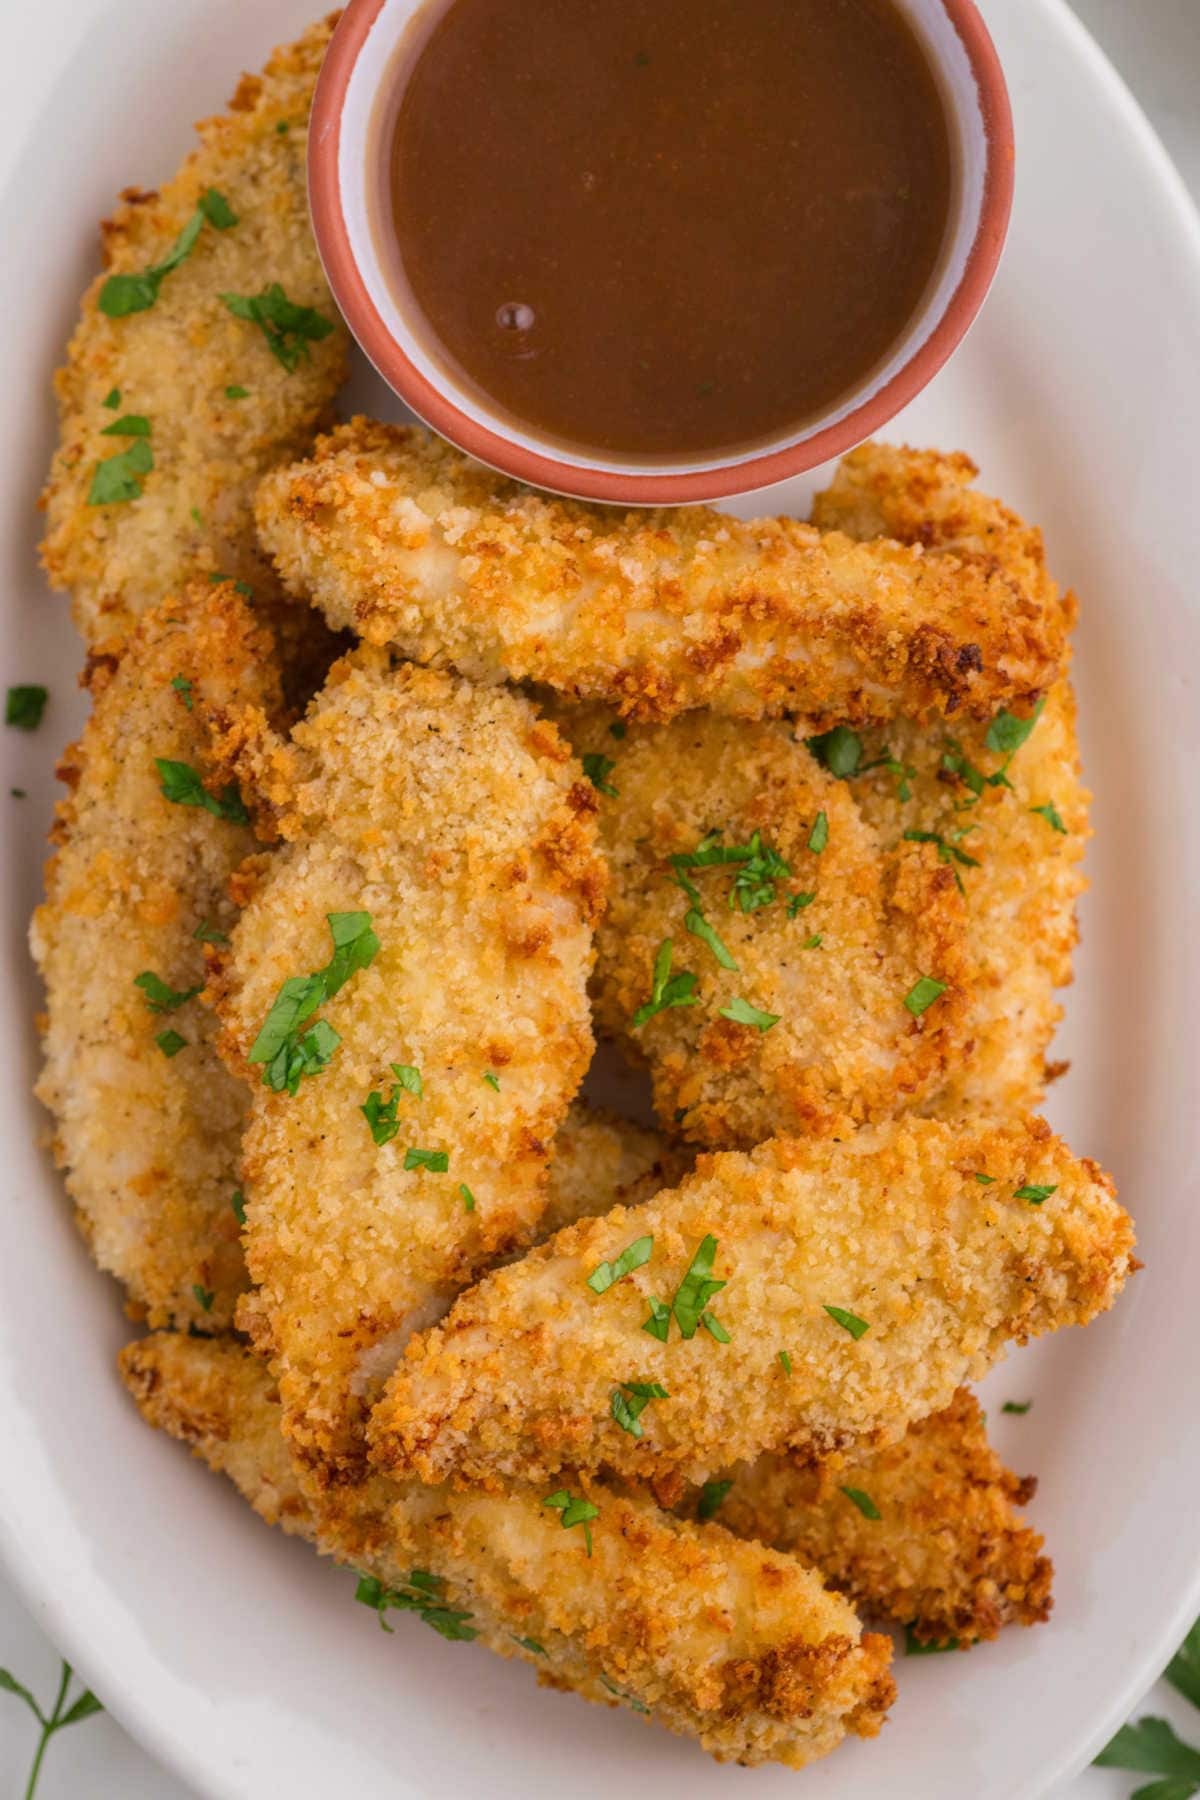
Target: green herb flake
{"x": 839, "y": 751}
{"x": 436, "y": 1161}
{"x": 813, "y": 942}
{"x": 714, "y": 1328}
{"x": 530, "y": 1644}
{"x": 183, "y": 688}
{"x": 984, "y": 1180}
{"x": 618, "y": 729}
{"x": 493, "y": 1081}
{"x": 117, "y": 478}
{"x": 632, "y": 1257}
{"x": 170, "y": 1043}
{"x": 204, "y": 1296}
{"x": 630, "y": 1400}
{"x": 742, "y": 1013}
{"x": 914, "y": 1646}
{"x": 758, "y": 867}
{"x": 948, "y": 851}
{"x": 421, "y": 1594}
{"x": 112, "y": 399}
{"x": 818, "y": 837}
{"x": 380, "y": 1115}
{"x": 598, "y": 768}
{"x": 696, "y": 1290}
{"x": 798, "y": 902}
{"x": 132, "y": 425}
{"x": 574, "y": 1511}
{"x": 159, "y": 997}
{"x": 289, "y": 1056}
{"x": 1007, "y": 733}
{"x": 848, "y": 1321}
{"x": 1051, "y": 814}
{"x": 289, "y": 329}
{"x": 206, "y": 933}
{"x": 659, "y": 1322}
{"x": 785, "y": 1362}
{"x": 617, "y": 1692}
{"x": 699, "y": 927}
{"x": 712, "y": 1498}
{"x": 238, "y": 1203}
{"x": 666, "y": 990}
{"x": 182, "y": 784}
{"x": 24, "y": 706}
{"x": 468, "y": 1198}
{"x": 217, "y": 209}
{"x": 1016, "y": 1406}
{"x": 864, "y": 1502}
{"x": 1034, "y": 1193}
{"x": 922, "y": 994}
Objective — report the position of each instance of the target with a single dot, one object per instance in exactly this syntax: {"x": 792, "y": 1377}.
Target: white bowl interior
{"x": 363, "y": 153}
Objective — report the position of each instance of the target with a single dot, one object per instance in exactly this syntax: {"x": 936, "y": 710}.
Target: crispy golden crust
{"x": 891, "y": 1226}
{"x": 714, "y": 1638}
{"x": 949, "y": 1555}
{"x": 845, "y": 1049}
{"x": 394, "y": 533}
{"x": 600, "y": 1161}
{"x": 173, "y": 362}
{"x": 150, "y": 1144}
{"x": 1021, "y": 898}
{"x": 459, "y": 821}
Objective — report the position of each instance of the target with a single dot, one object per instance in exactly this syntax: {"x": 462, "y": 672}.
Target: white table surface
{"x": 1156, "y": 46}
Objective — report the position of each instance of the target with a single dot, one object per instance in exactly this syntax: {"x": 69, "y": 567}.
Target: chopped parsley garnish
{"x": 630, "y": 1400}
{"x": 493, "y": 1081}
{"x": 1035, "y": 1194}
{"x": 699, "y": 927}
{"x": 204, "y": 1296}
{"x": 379, "y": 1113}
{"x": 116, "y": 479}
{"x": 818, "y": 837}
{"x": 1016, "y": 1406}
{"x": 237, "y": 393}
{"x": 785, "y": 1362}
{"x": 239, "y": 587}
{"x": 666, "y": 989}
{"x": 598, "y": 768}
{"x": 182, "y": 784}
{"x": 712, "y": 1496}
{"x": 848, "y": 1321}
{"x": 798, "y": 902}
{"x": 621, "y": 1693}
{"x": 948, "y": 851}
{"x": 1051, "y": 814}
{"x": 208, "y": 934}
{"x": 131, "y": 425}
{"x": 159, "y": 997}
{"x": 632, "y": 1257}
{"x": 125, "y": 294}
{"x": 24, "y": 706}
{"x": 183, "y": 688}
{"x": 289, "y": 329}
{"x": 468, "y": 1198}
{"x": 112, "y": 399}
{"x": 955, "y": 762}
{"x": 618, "y": 729}
{"x": 913, "y": 1645}
{"x": 984, "y": 1180}
{"x": 839, "y": 750}
{"x": 436, "y": 1161}
{"x": 922, "y": 994}
{"x": 864, "y": 1502}
{"x": 170, "y": 1043}
{"x": 813, "y": 942}
{"x": 422, "y": 1594}
{"x": 238, "y": 1204}
{"x": 409, "y": 1078}
{"x": 288, "y": 1055}
{"x": 742, "y": 1013}
{"x": 1007, "y": 733}
{"x": 574, "y": 1511}
{"x": 530, "y": 1644}
{"x": 691, "y": 1300}
{"x": 758, "y": 866}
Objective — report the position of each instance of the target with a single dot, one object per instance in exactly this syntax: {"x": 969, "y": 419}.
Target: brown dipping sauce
{"x": 666, "y": 227}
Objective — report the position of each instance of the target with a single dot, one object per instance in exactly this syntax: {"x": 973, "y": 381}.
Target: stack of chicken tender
{"x": 789, "y": 812}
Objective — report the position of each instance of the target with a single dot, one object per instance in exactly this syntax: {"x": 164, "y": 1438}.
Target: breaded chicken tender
{"x": 406, "y": 994}
{"x": 805, "y": 1296}
{"x": 1016, "y": 845}
{"x": 801, "y": 938}
{"x": 599, "y": 1161}
{"x": 407, "y": 541}
{"x": 148, "y": 1122}
{"x": 718, "y": 1639}
{"x": 947, "y": 1555}
{"x": 217, "y": 400}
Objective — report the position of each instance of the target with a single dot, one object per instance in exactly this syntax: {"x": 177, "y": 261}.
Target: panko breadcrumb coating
{"x": 457, "y": 820}
{"x": 1027, "y": 835}
{"x": 600, "y": 1161}
{"x": 725, "y": 1641}
{"x": 826, "y": 956}
{"x": 948, "y": 1555}
{"x": 407, "y": 541}
{"x": 149, "y": 1133}
{"x": 173, "y": 364}
{"x": 930, "y": 1272}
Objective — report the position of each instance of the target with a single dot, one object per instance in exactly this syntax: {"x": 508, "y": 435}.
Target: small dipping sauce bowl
{"x": 352, "y": 145}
